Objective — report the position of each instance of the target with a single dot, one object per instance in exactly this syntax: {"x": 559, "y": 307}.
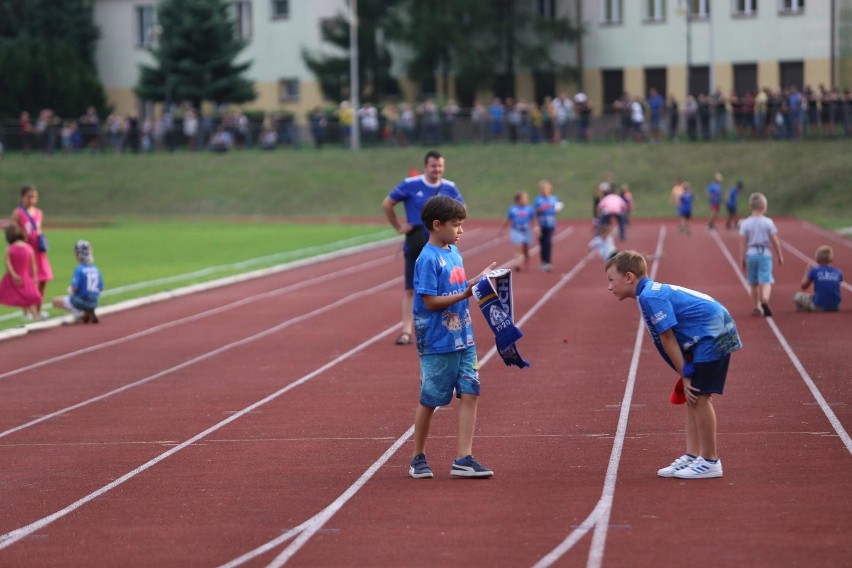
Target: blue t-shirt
{"x": 685, "y": 205}
{"x": 702, "y": 326}
{"x": 87, "y": 282}
{"x": 826, "y": 281}
{"x": 545, "y": 208}
{"x": 415, "y": 191}
{"x": 521, "y": 217}
{"x": 440, "y": 272}
{"x": 714, "y": 193}
{"x": 655, "y": 104}
{"x": 733, "y": 193}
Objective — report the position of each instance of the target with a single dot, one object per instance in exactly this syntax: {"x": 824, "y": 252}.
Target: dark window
{"x": 792, "y": 74}
{"x": 699, "y": 80}
{"x": 546, "y": 9}
{"x": 544, "y": 85}
{"x": 280, "y": 9}
{"x": 745, "y": 78}
{"x": 613, "y": 87}
{"x": 655, "y": 77}
{"x": 504, "y": 85}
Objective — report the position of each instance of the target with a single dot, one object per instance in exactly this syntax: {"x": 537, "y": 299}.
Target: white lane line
{"x": 14, "y": 536}
{"x": 315, "y": 523}
{"x": 815, "y": 392}
{"x": 598, "y": 519}
{"x": 807, "y": 260}
{"x": 824, "y": 233}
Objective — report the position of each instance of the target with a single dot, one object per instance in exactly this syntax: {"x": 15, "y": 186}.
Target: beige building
{"x": 628, "y": 45}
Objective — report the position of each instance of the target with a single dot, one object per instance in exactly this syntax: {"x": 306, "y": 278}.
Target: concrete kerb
{"x": 193, "y": 288}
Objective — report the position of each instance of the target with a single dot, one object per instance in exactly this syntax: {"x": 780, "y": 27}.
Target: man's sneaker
{"x": 700, "y": 469}
{"x": 469, "y": 467}
{"x": 419, "y": 467}
{"x": 677, "y": 465}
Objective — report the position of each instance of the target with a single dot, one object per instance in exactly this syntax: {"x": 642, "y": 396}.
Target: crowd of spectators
{"x": 766, "y": 114}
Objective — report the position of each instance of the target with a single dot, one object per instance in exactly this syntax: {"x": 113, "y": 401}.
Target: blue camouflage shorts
{"x": 443, "y": 373}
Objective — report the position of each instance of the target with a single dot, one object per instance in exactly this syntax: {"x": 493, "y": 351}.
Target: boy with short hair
{"x": 695, "y": 335}
{"x": 826, "y": 280}
{"x": 760, "y": 238}
{"x": 86, "y": 286}
{"x": 444, "y": 332}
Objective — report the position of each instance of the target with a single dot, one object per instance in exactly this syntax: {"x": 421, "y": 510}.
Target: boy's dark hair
{"x": 629, "y": 261}
{"x": 13, "y": 233}
{"x": 432, "y": 154}
{"x": 442, "y": 208}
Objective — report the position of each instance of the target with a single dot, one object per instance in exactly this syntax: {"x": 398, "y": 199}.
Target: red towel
{"x": 678, "y": 397}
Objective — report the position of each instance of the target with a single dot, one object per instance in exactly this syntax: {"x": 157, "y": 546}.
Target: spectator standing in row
{"x": 656, "y": 106}
{"x": 674, "y": 117}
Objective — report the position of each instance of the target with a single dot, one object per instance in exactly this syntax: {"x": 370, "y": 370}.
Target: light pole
{"x": 354, "y": 86}
{"x": 684, "y": 8}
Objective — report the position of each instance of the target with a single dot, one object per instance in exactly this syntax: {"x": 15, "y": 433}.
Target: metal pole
{"x": 711, "y": 61}
{"x": 354, "y": 86}
{"x": 688, "y": 48}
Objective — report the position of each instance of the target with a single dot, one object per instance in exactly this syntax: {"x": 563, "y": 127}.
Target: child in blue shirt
{"x": 444, "y": 333}
{"x": 522, "y": 218}
{"x": 826, "y": 280}
{"x": 684, "y": 208}
{"x": 86, "y": 286}
{"x": 695, "y": 335}
{"x": 546, "y": 207}
{"x": 714, "y": 197}
{"x": 731, "y": 203}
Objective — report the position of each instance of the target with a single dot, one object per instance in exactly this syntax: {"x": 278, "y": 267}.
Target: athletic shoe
{"x": 546, "y": 267}
{"x": 43, "y": 314}
{"x": 700, "y": 469}
{"x": 677, "y": 465}
{"x": 766, "y": 311}
{"x": 419, "y": 467}
{"x": 469, "y": 467}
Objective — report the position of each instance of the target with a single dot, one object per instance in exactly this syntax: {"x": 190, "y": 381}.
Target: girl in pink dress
{"x": 29, "y": 218}
{"x": 18, "y": 286}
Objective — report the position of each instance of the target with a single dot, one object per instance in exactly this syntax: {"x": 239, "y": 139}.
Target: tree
{"x": 374, "y": 59}
{"x": 480, "y": 42}
{"x": 195, "y": 56}
{"x": 67, "y": 21}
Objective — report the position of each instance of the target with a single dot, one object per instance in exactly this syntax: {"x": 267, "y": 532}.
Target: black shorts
{"x": 710, "y": 376}
{"x": 415, "y": 240}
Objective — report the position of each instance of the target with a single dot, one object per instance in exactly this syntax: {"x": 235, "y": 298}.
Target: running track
{"x": 269, "y": 422}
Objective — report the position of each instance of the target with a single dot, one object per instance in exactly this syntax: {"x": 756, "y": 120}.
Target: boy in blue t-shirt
{"x": 695, "y": 335}
{"x": 731, "y": 203}
{"x": 684, "y": 208}
{"x": 714, "y": 197}
{"x": 522, "y": 219}
{"x": 86, "y": 286}
{"x": 444, "y": 333}
{"x": 826, "y": 280}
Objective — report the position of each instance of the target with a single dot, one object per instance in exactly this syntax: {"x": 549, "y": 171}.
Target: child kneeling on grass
{"x": 86, "y": 286}
{"x": 442, "y": 326}
{"x": 695, "y": 335}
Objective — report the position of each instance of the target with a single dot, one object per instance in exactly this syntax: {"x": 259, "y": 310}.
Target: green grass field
{"x": 190, "y": 217}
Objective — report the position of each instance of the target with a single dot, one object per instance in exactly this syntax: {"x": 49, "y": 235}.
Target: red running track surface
{"x": 269, "y": 422}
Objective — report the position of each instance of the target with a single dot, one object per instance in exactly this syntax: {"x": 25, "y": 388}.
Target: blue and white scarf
{"x": 493, "y": 293}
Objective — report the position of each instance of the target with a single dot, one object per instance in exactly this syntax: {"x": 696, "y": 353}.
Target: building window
{"x": 745, "y": 7}
{"x": 280, "y": 9}
{"x": 546, "y": 9}
{"x": 145, "y": 26}
{"x": 699, "y": 9}
{"x": 611, "y": 11}
{"x": 791, "y": 6}
{"x": 288, "y": 90}
{"x": 240, "y": 13}
{"x": 613, "y": 88}
{"x": 655, "y": 10}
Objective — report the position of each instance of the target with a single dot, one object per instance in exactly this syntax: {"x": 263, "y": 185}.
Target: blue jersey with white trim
{"x": 702, "y": 326}
{"x": 415, "y": 191}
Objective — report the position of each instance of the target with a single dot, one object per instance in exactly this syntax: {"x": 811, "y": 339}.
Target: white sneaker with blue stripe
{"x": 677, "y": 465}
{"x": 701, "y": 469}
{"x": 469, "y": 467}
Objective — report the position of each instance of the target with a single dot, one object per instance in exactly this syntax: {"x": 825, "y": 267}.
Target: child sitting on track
{"x": 442, "y": 326}
{"x": 86, "y": 286}
{"x": 826, "y": 280}
{"x": 695, "y": 335}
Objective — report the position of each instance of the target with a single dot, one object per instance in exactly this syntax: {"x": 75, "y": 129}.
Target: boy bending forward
{"x": 695, "y": 335}
{"x": 444, "y": 334}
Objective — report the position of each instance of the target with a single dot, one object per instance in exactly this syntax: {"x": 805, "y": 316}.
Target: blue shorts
{"x": 443, "y": 373}
{"x": 521, "y": 237}
{"x": 759, "y": 269}
{"x": 710, "y": 376}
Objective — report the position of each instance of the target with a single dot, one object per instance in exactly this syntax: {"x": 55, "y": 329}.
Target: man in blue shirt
{"x": 695, "y": 335}
{"x": 413, "y": 193}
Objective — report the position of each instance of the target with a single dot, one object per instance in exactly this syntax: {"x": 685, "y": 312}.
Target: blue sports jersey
{"x": 87, "y": 282}
{"x": 826, "y": 281}
{"x": 702, "y": 326}
{"x": 714, "y": 192}
{"x": 415, "y": 191}
{"x": 685, "y": 204}
{"x": 440, "y": 272}
{"x": 545, "y": 208}
{"x": 521, "y": 217}
{"x": 733, "y": 193}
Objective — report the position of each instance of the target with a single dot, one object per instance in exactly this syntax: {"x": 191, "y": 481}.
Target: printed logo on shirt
{"x": 658, "y": 317}
{"x": 419, "y": 193}
{"x": 457, "y": 275}
{"x": 442, "y": 263}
